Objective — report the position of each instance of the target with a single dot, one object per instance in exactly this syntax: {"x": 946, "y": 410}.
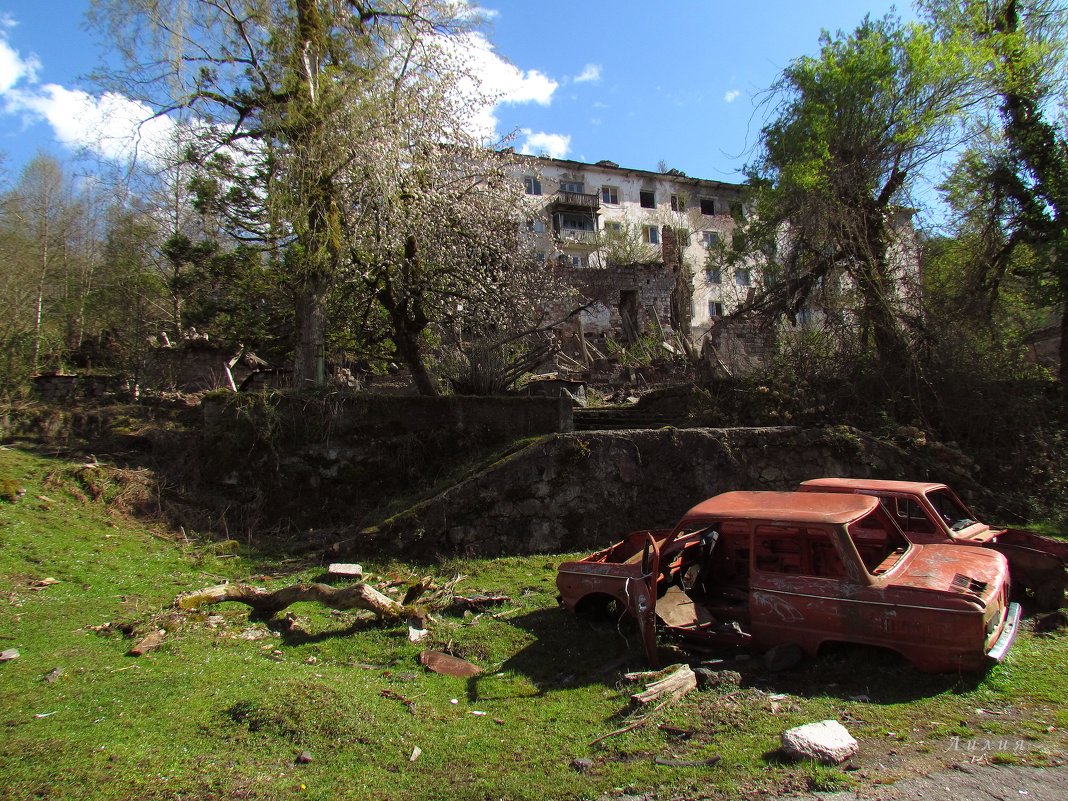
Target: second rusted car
{"x": 933, "y": 513}
{"x": 758, "y": 569}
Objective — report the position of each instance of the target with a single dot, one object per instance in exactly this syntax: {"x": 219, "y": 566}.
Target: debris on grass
{"x": 54, "y": 675}
{"x": 416, "y": 753}
{"x": 9, "y": 654}
{"x": 687, "y": 763}
{"x": 149, "y": 643}
{"x": 672, "y": 683}
{"x": 448, "y": 665}
{"x": 396, "y": 696}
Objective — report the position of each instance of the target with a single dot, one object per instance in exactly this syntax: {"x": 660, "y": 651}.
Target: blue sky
{"x": 631, "y": 81}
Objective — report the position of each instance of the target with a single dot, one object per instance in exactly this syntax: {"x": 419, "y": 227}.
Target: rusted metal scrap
{"x": 448, "y": 665}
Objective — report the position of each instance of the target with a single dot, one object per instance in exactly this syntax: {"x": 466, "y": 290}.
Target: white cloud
{"x": 14, "y": 67}
{"x": 591, "y": 73}
{"x": 109, "y": 125}
{"x": 496, "y": 81}
{"x": 545, "y": 144}
{"x": 731, "y": 96}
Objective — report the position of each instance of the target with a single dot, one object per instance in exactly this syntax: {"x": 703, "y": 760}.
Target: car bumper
{"x": 1008, "y": 634}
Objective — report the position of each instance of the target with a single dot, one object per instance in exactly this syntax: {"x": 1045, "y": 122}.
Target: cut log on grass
{"x": 354, "y": 596}
{"x": 674, "y": 683}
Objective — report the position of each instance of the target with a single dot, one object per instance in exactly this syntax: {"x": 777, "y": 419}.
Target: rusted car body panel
{"x": 758, "y": 569}
{"x": 933, "y": 513}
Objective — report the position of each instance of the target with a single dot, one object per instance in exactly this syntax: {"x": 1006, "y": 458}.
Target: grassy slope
{"x": 213, "y": 714}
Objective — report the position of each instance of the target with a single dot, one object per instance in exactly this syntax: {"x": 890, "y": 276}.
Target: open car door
{"x": 642, "y": 597}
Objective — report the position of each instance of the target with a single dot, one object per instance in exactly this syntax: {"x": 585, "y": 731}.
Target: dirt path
{"x": 962, "y": 783}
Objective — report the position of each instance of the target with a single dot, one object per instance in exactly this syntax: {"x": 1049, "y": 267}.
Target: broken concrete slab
{"x": 827, "y": 741}
{"x": 345, "y": 570}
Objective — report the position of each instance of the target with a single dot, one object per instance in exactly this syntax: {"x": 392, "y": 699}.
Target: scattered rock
{"x": 783, "y": 657}
{"x": 826, "y": 741}
{"x": 304, "y": 757}
{"x": 1054, "y": 621}
{"x": 416, "y": 753}
{"x": 708, "y": 678}
{"x": 40, "y": 584}
{"x": 581, "y": 764}
{"x": 9, "y": 654}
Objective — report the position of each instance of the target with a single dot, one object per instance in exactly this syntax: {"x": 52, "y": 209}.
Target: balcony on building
{"x": 576, "y": 201}
{"x": 575, "y": 228}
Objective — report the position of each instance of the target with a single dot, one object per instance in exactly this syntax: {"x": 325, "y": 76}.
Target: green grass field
{"x": 222, "y": 709}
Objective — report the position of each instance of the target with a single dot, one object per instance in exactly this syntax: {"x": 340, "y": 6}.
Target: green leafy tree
{"x": 853, "y": 130}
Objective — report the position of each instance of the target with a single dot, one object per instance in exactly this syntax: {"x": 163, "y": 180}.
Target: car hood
{"x": 975, "y": 572}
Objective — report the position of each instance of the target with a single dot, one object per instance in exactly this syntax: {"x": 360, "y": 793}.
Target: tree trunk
{"x": 1064, "y": 348}
{"x": 355, "y": 596}
{"x": 309, "y": 369}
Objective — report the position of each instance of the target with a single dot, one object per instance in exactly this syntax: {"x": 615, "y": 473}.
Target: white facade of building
{"x": 582, "y": 212}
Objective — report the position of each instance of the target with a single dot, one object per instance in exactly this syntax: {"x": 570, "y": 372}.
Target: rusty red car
{"x": 933, "y": 513}
{"x": 759, "y": 569}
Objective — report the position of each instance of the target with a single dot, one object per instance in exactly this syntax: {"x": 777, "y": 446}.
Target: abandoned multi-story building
{"x": 650, "y": 248}
{"x": 632, "y": 229}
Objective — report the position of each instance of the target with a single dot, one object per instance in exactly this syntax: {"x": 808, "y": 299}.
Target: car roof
{"x": 873, "y": 484}
{"x": 785, "y": 507}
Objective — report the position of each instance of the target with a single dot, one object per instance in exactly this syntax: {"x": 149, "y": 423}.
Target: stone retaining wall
{"x": 581, "y": 491}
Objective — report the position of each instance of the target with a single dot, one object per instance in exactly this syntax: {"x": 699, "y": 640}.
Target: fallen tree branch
{"x": 354, "y": 596}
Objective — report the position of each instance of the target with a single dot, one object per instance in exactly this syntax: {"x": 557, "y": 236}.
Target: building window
{"x": 576, "y": 222}
{"x": 713, "y": 275}
{"x": 572, "y": 186}
{"x": 647, "y": 199}
{"x": 577, "y": 261}
{"x": 678, "y": 203}
{"x": 709, "y": 239}
{"x": 708, "y": 206}
{"x": 536, "y": 226}
{"x": 738, "y": 212}
{"x": 682, "y": 237}
{"x": 614, "y": 227}
{"x": 651, "y": 234}
{"x": 742, "y": 277}
{"x": 610, "y": 195}
{"x": 715, "y": 309}
{"x": 532, "y": 185}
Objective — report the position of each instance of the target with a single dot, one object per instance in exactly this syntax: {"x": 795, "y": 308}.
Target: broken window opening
{"x": 678, "y": 203}
{"x": 708, "y": 206}
{"x": 647, "y": 199}
{"x": 715, "y": 309}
